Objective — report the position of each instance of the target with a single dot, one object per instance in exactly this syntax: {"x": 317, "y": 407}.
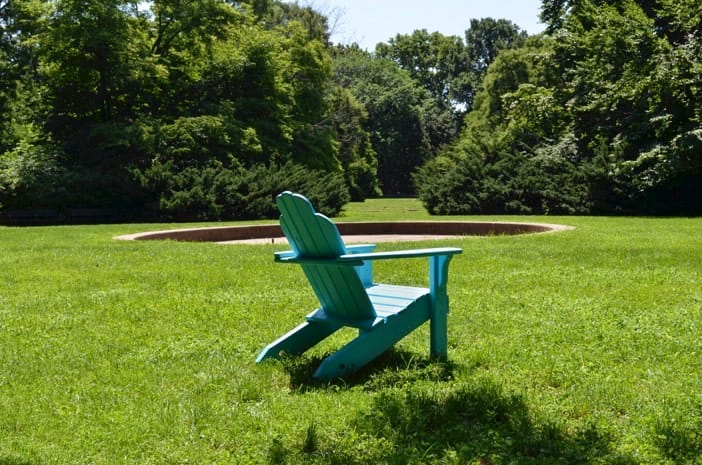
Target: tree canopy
{"x": 167, "y": 105}
{"x": 600, "y": 115}
{"x": 206, "y": 108}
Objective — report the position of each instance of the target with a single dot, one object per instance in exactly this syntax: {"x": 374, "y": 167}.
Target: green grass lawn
{"x": 575, "y": 347}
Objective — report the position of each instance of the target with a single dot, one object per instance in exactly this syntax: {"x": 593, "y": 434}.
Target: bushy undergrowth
{"x": 473, "y": 178}
{"x": 214, "y": 192}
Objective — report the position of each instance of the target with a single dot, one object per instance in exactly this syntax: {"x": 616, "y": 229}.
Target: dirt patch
{"x": 352, "y": 232}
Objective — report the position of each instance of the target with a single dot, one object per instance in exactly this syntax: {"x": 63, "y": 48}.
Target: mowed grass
{"x": 581, "y": 346}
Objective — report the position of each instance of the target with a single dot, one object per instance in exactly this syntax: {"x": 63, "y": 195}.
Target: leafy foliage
{"x": 100, "y": 100}
{"x": 194, "y": 175}
{"x": 436, "y": 61}
{"x": 200, "y": 90}
{"x": 356, "y": 153}
{"x": 450, "y": 68}
{"x": 399, "y": 112}
{"x": 603, "y": 115}
{"x": 31, "y": 170}
{"x": 211, "y": 192}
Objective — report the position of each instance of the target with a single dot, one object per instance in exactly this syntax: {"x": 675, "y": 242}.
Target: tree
{"x": 19, "y": 85}
{"x": 553, "y": 13}
{"x": 496, "y": 165}
{"x": 191, "y": 25}
{"x": 260, "y": 101}
{"x": 397, "y": 115}
{"x": 485, "y": 38}
{"x": 602, "y": 116}
{"x": 448, "y": 68}
{"x": 632, "y": 99}
{"x": 6, "y": 50}
{"x": 31, "y": 168}
{"x": 315, "y": 23}
{"x": 87, "y": 60}
{"x": 107, "y": 96}
{"x": 435, "y": 61}
{"x": 356, "y": 154}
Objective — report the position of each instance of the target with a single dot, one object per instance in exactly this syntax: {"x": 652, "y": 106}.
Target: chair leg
{"x": 438, "y": 342}
{"x": 438, "y": 278}
{"x": 298, "y": 340}
{"x": 370, "y": 344}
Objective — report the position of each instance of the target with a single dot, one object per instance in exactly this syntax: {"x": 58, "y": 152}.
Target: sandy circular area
{"x": 362, "y": 232}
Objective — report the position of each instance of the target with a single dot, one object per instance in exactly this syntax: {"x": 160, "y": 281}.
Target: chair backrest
{"x": 314, "y": 236}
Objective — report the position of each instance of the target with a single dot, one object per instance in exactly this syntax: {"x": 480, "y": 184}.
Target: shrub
{"x": 215, "y": 192}
{"x": 481, "y": 177}
{"x": 446, "y": 186}
{"x": 31, "y": 174}
{"x": 197, "y": 172}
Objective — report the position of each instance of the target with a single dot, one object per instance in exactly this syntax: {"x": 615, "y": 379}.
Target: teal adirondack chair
{"x": 341, "y": 277}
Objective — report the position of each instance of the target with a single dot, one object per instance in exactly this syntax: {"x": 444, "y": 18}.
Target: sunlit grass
{"x": 575, "y": 347}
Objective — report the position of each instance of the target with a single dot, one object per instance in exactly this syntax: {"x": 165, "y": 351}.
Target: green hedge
{"x": 214, "y": 192}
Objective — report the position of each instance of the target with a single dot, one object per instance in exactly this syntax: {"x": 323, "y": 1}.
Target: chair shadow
{"x": 449, "y": 421}
{"x": 389, "y": 369}
{"x": 477, "y": 422}
{"x": 472, "y": 422}
{"x": 13, "y": 461}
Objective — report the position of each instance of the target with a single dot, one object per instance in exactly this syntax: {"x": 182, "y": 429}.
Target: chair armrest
{"x": 360, "y": 248}
{"x": 281, "y": 256}
{"x": 358, "y": 259}
{"x": 288, "y": 256}
{"x": 416, "y": 253}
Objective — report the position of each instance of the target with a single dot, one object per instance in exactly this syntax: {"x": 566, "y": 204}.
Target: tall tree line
{"x": 206, "y": 108}
{"x": 599, "y": 115}
{"x": 193, "y": 108}
{"x": 417, "y": 89}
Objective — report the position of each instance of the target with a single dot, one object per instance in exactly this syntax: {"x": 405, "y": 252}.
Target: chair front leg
{"x": 298, "y": 339}
{"x": 438, "y": 314}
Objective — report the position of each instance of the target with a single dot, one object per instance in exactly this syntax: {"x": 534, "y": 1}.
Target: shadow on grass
{"x": 467, "y": 423}
{"x": 679, "y": 439}
{"x": 13, "y": 461}
{"x": 476, "y": 423}
{"x": 420, "y": 414}
{"x": 392, "y": 368}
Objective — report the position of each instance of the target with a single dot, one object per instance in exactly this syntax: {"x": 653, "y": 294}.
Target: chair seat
{"x": 388, "y": 301}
